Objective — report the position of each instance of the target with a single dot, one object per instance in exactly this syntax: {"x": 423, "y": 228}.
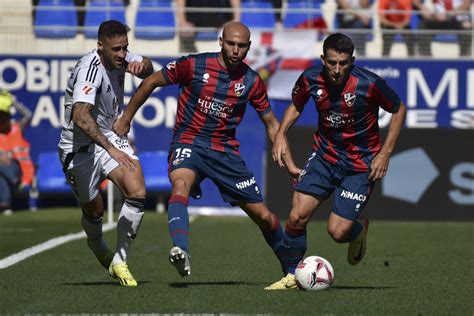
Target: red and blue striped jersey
{"x": 212, "y": 100}
{"x": 348, "y": 130}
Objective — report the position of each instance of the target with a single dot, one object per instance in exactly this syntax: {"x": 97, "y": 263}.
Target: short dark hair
{"x": 111, "y": 28}
{"x": 339, "y": 42}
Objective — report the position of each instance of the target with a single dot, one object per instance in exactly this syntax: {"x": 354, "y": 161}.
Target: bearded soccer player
{"x": 214, "y": 91}
{"x": 90, "y": 151}
{"x": 347, "y": 156}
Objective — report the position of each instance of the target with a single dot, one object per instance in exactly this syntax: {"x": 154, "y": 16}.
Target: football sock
{"x": 93, "y": 229}
{"x": 355, "y": 232}
{"x": 274, "y": 238}
{"x": 295, "y": 244}
{"x": 178, "y": 221}
{"x": 128, "y": 223}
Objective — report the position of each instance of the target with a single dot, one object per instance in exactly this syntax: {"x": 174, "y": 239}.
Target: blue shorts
{"x": 228, "y": 171}
{"x": 351, "y": 189}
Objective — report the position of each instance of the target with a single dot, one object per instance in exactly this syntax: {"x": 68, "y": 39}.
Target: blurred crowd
{"x": 415, "y": 22}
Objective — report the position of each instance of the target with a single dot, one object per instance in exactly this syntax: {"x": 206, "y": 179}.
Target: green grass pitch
{"x": 414, "y": 268}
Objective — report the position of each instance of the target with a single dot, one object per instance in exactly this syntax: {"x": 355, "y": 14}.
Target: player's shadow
{"x": 224, "y": 283}
{"x": 344, "y": 287}
{"x": 108, "y": 283}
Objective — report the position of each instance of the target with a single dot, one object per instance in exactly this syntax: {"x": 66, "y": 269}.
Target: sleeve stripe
{"x": 92, "y": 71}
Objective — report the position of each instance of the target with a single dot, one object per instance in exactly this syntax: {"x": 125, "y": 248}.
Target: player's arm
{"x": 122, "y": 124}
{"x": 83, "y": 119}
{"x": 281, "y": 151}
{"x": 380, "y": 162}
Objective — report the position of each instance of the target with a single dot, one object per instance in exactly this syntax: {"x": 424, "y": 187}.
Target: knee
{"x": 337, "y": 233}
{"x": 297, "y": 220}
{"x": 181, "y": 187}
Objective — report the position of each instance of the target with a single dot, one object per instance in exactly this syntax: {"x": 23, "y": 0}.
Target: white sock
{"x": 93, "y": 230}
{"x": 128, "y": 224}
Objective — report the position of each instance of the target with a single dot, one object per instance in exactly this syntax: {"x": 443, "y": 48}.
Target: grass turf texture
{"x": 410, "y": 268}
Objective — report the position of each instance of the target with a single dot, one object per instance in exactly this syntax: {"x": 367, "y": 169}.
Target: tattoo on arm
{"x": 82, "y": 118}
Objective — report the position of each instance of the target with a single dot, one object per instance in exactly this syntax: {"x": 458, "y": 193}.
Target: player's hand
{"x": 121, "y": 126}
{"x": 279, "y": 149}
{"x": 135, "y": 68}
{"x": 294, "y": 171}
{"x": 124, "y": 160}
{"x": 379, "y": 166}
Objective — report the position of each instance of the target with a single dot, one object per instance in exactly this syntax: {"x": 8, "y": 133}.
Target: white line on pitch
{"x": 26, "y": 253}
{"x": 52, "y": 243}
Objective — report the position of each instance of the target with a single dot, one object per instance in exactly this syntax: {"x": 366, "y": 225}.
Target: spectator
{"x": 16, "y": 168}
{"x": 395, "y": 17}
{"x": 445, "y": 15}
{"x": 356, "y": 16}
{"x": 189, "y": 21}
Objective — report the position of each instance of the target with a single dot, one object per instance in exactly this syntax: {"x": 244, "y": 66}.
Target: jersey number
{"x": 183, "y": 152}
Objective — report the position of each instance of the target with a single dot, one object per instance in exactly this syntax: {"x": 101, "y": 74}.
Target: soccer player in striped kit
{"x": 214, "y": 91}
{"x": 347, "y": 156}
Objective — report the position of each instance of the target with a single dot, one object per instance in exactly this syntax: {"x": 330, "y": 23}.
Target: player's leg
{"x": 295, "y": 237}
{"x": 182, "y": 180}
{"x": 184, "y": 163}
{"x": 91, "y": 220}
{"x": 269, "y": 224}
{"x": 132, "y": 185}
{"x": 84, "y": 175}
{"x": 346, "y": 223}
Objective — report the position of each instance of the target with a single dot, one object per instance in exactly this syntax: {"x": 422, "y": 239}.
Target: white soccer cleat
{"x": 181, "y": 261}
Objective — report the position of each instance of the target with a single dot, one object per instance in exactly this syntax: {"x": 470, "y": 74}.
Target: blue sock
{"x": 274, "y": 238}
{"x": 356, "y": 230}
{"x": 178, "y": 221}
{"x": 293, "y": 247}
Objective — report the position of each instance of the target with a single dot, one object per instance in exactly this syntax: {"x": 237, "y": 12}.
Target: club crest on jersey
{"x": 171, "y": 65}
{"x": 349, "y": 98}
{"x": 205, "y": 78}
{"x": 239, "y": 89}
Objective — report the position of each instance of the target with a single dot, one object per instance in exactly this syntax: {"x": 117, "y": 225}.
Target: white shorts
{"x": 87, "y": 170}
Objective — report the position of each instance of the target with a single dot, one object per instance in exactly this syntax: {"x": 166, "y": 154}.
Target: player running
{"x": 347, "y": 155}
{"x": 214, "y": 91}
{"x": 90, "y": 151}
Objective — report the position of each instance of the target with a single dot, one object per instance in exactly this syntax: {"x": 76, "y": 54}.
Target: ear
{"x": 220, "y": 41}
{"x": 322, "y": 60}
{"x": 100, "y": 45}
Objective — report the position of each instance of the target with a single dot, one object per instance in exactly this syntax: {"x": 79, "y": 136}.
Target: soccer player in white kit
{"x": 90, "y": 151}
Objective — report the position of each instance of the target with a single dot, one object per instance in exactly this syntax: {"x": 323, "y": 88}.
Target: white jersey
{"x": 92, "y": 83}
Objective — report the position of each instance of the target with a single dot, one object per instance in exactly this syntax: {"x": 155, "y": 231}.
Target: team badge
{"x": 171, "y": 65}
{"x": 205, "y": 77}
{"x": 239, "y": 89}
{"x": 349, "y": 98}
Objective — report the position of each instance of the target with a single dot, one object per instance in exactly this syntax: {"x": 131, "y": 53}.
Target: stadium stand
{"x": 258, "y": 14}
{"x": 98, "y": 11}
{"x": 55, "y": 19}
{"x": 155, "y": 20}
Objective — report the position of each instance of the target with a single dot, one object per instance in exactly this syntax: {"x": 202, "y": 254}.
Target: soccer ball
{"x": 314, "y": 273}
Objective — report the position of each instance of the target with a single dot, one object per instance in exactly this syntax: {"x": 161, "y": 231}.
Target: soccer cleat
{"x": 181, "y": 261}
{"x": 357, "y": 247}
{"x": 105, "y": 258}
{"x": 286, "y": 283}
{"x": 120, "y": 271}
